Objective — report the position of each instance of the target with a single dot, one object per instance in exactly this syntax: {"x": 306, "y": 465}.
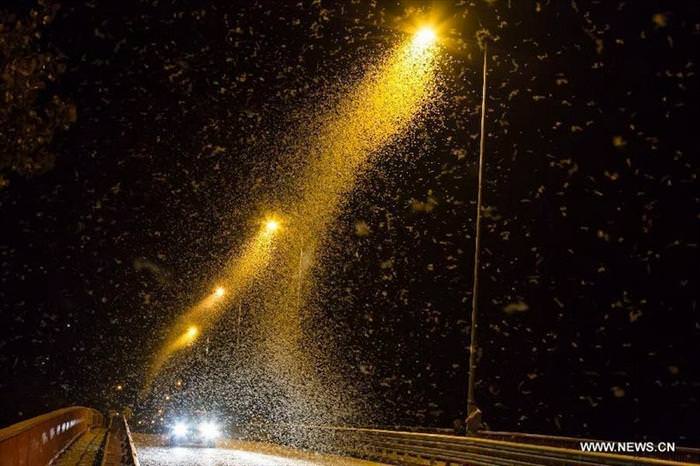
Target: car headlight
{"x": 179, "y": 429}
{"x": 209, "y": 430}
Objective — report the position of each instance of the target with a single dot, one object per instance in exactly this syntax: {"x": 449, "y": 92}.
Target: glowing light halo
{"x": 209, "y": 430}
{"x": 187, "y": 337}
{"x": 272, "y": 225}
{"x": 424, "y": 37}
{"x": 192, "y": 332}
{"x": 180, "y": 429}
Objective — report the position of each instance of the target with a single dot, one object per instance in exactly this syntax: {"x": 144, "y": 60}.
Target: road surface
{"x": 84, "y": 451}
{"x": 234, "y": 454}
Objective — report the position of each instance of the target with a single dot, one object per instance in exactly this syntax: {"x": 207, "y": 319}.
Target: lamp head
{"x": 424, "y": 37}
{"x": 271, "y": 225}
{"x": 191, "y": 333}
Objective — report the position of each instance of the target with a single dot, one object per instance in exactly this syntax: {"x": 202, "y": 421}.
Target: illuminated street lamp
{"x": 190, "y": 334}
{"x": 424, "y": 37}
{"x": 271, "y": 225}
{"x": 473, "y": 423}
{"x": 219, "y": 292}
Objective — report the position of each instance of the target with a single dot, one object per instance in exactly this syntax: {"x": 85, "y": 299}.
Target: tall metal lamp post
{"x": 425, "y": 36}
{"x": 473, "y": 412}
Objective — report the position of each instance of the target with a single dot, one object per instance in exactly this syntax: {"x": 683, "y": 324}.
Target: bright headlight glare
{"x": 209, "y": 429}
{"x": 180, "y": 429}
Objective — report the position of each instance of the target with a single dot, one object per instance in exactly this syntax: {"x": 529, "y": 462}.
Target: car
{"x": 194, "y": 434}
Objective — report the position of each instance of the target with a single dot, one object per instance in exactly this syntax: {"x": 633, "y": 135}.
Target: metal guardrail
{"x": 119, "y": 446}
{"x": 39, "y": 440}
{"x": 415, "y": 448}
{"x": 130, "y": 450}
{"x": 681, "y": 454}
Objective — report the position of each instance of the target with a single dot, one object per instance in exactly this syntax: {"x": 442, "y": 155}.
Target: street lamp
{"x": 473, "y": 412}
{"x": 271, "y": 225}
{"x": 424, "y": 37}
{"x": 190, "y": 334}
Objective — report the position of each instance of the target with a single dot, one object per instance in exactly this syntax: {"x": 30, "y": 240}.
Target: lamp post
{"x": 473, "y": 412}
{"x": 300, "y": 277}
{"x": 424, "y": 36}
{"x": 238, "y": 324}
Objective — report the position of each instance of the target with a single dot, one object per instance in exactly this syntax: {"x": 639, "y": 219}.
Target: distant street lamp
{"x": 190, "y": 334}
{"x": 271, "y": 225}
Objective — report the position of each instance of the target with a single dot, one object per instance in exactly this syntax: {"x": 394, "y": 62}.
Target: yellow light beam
{"x": 370, "y": 117}
{"x": 238, "y": 276}
{"x": 378, "y": 110}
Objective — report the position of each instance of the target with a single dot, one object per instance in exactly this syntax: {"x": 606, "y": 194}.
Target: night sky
{"x": 185, "y": 112}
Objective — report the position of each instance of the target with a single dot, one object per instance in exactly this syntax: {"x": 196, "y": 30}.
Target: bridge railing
{"x": 119, "y": 446}
{"x": 39, "y": 440}
{"x": 417, "y": 448}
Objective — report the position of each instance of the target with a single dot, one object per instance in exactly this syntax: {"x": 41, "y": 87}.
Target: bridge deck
{"x": 85, "y": 451}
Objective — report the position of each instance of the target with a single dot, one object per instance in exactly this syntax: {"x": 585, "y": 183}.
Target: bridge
{"x": 80, "y": 436}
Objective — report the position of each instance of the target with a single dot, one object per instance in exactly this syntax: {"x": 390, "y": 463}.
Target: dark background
{"x": 589, "y": 313}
